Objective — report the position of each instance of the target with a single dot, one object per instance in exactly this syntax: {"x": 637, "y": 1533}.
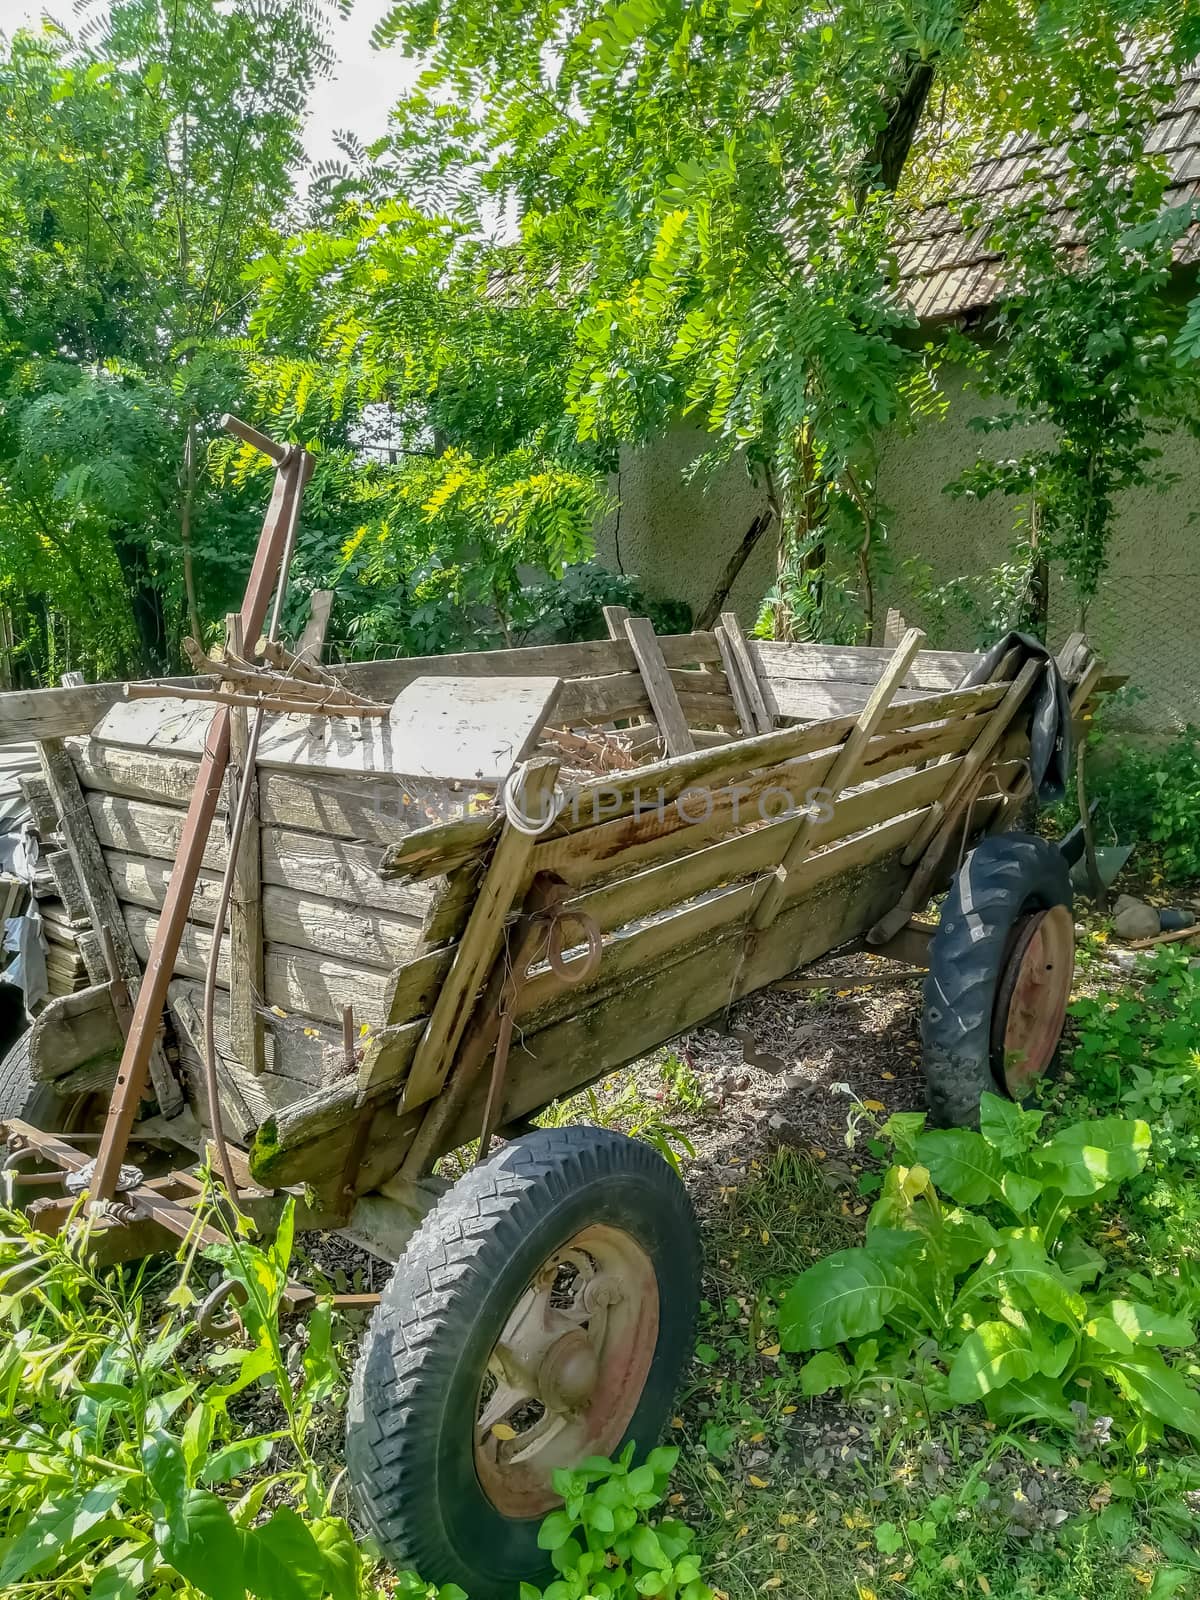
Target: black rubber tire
{"x": 409, "y": 1440}
{"x": 20, "y": 1096}
{"x": 1002, "y": 879}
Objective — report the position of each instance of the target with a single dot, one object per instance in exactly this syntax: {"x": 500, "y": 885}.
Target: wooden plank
{"x": 613, "y": 796}
{"x": 246, "y": 1030}
{"x": 841, "y": 774}
{"x": 312, "y": 640}
{"x": 75, "y": 824}
{"x": 991, "y": 730}
{"x": 709, "y": 867}
{"x": 37, "y": 797}
{"x": 469, "y": 729}
{"x": 66, "y": 881}
{"x": 586, "y": 658}
{"x": 812, "y": 702}
{"x": 746, "y": 671}
{"x": 91, "y": 948}
{"x": 375, "y": 808}
{"x": 929, "y": 846}
{"x": 666, "y": 831}
{"x": 75, "y": 1031}
{"x": 333, "y": 869}
{"x": 615, "y": 618}
{"x": 663, "y": 696}
{"x": 308, "y": 922}
{"x": 646, "y": 1010}
{"x": 700, "y": 681}
{"x": 56, "y": 713}
{"x": 714, "y": 709}
{"x": 507, "y": 876}
{"x": 413, "y": 988}
{"x": 615, "y": 697}
{"x": 297, "y": 981}
{"x": 636, "y": 949}
{"x": 295, "y": 1045}
{"x": 746, "y": 722}
{"x": 931, "y": 670}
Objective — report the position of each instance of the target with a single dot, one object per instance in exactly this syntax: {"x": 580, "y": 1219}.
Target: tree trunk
{"x": 187, "y": 503}
{"x": 1034, "y": 616}
{"x": 708, "y": 613}
{"x": 146, "y": 608}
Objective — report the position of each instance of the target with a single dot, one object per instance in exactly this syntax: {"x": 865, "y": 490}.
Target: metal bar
{"x": 292, "y": 474}
{"x": 278, "y": 453}
{"x": 247, "y": 1030}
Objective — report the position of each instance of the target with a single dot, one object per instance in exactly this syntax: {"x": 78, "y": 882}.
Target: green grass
{"x": 917, "y": 1507}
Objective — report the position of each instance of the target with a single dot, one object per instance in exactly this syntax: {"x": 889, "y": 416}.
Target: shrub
{"x": 1153, "y": 795}
{"x": 998, "y": 1297}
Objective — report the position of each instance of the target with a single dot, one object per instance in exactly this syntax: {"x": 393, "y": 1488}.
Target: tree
{"x": 1086, "y": 347}
{"x": 142, "y": 165}
{"x": 668, "y": 208}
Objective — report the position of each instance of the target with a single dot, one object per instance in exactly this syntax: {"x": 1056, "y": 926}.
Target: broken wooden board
{"x": 469, "y": 730}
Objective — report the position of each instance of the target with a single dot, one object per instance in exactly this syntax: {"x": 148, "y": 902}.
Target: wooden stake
{"x": 736, "y": 641}
{"x": 504, "y": 883}
{"x": 668, "y": 713}
{"x": 247, "y": 1030}
{"x": 75, "y": 823}
{"x": 841, "y": 775}
{"x": 312, "y": 640}
{"x": 737, "y": 689}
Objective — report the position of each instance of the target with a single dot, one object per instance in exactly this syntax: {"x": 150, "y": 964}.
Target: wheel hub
{"x": 564, "y": 1378}
{"x": 568, "y": 1372}
{"x": 1032, "y": 997}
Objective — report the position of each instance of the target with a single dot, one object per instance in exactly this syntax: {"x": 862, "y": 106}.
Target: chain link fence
{"x": 1145, "y": 624}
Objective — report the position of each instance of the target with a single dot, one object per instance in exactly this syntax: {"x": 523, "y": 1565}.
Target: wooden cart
{"x": 416, "y": 959}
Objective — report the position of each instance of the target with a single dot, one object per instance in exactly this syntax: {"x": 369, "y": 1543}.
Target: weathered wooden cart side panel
{"x": 851, "y": 843}
{"x": 656, "y": 983}
{"x": 670, "y": 861}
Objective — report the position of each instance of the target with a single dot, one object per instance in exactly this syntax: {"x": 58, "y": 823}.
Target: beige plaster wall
{"x": 1146, "y": 621}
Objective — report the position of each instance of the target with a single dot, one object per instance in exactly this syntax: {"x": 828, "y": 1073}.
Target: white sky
{"x": 364, "y": 87}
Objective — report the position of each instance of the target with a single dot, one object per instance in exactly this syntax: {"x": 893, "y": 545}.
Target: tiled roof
{"x": 949, "y": 269}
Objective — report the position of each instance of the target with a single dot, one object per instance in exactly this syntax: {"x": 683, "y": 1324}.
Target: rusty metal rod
{"x": 293, "y": 470}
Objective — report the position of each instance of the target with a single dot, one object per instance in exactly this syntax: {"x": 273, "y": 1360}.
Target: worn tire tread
{"x": 1004, "y": 876}
{"x": 474, "y": 1228}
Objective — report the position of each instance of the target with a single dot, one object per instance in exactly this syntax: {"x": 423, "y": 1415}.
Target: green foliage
{"x": 603, "y": 1543}
{"x": 132, "y": 1462}
{"x": 1139, "y": 1052}
{"x": 1085, "y": 350}
{"x": 999, "y": 1297}
{"x": 142, "y": 163}
{"x": 1151, "y": 795}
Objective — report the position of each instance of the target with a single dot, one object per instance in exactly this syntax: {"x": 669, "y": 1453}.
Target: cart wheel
{"x": 542, "y": 1313}
{"x": 1000, "y": 972}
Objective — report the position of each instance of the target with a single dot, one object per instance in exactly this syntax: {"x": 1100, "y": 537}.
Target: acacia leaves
{"x": 1000, "y": 1285}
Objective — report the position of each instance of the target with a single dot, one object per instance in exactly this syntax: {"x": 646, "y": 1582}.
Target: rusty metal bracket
{"x": 553, "y": 918}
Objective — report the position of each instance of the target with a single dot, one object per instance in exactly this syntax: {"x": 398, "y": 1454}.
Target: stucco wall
{"x": 1146, "y": 621}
